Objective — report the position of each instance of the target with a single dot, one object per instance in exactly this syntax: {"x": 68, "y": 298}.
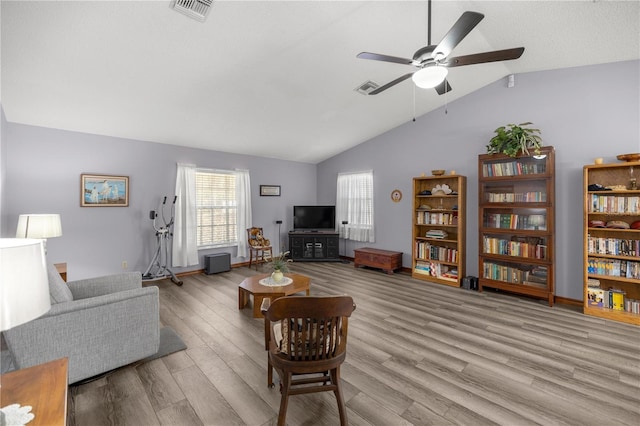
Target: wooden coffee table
{"x": 252, "y": 286}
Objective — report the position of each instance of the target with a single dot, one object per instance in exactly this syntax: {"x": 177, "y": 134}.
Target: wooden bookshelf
{"x": 516, "y": 223}
{"x": 439, "y": 229}
{"x": 612, "y": 255}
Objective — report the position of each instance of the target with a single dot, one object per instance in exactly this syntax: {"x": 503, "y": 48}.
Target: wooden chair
{"x": 258, "y": 245}
{"x": 306, "y": 340}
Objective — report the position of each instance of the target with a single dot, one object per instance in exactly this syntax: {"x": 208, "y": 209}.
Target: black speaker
{"x": 215, "y": 263}
{"x": 470, "y": 283}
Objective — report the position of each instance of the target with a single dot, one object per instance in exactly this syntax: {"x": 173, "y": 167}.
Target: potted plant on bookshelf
{"x": 512, "y": 139}
{"x": 279, "y": 264}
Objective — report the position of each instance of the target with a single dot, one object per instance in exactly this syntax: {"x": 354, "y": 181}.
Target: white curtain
{"x": 185, "y": 243}
{"x": 243, "y": 199}
{"x": 354, "y": 203}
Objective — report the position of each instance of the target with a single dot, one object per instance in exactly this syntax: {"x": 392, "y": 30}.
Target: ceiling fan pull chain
{"x": 446, "y": 97}
{"x": 414, "y": 103}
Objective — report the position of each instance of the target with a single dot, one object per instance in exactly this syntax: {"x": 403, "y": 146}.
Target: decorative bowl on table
{"x": 437, "y": 172}
{"x": 629, "y": 157}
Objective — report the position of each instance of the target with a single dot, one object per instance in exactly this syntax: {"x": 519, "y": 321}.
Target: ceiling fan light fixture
{"x": 430, "y": 77}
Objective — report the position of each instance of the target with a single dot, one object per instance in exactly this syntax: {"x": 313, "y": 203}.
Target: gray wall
{"x": 584, "y": 113}
{"x": 42, "y": 173}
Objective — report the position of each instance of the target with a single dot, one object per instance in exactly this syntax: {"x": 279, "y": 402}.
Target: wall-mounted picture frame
{"x": 104, "y": 191}
{"x": 269, "y": 190}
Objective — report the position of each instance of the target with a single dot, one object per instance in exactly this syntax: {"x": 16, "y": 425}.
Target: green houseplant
{"x": 512, "y": 139}
{"x": 279, "y": 264}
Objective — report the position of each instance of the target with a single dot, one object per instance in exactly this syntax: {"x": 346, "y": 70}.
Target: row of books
{"x": 515, "y": 221}
{"x": 516, "y": 197}
{"x": 433, "y": 218}
{"x": 438, "y": 270}
{"x": 513, "y": 168}
{"x": 425, "y": 250}
{"x": 614, "y": 246}
{"x": 514, "y": 275}
{"x": 614, "y": 204}
{"x": 493, "y": 245}
{"x": 612, "y": 299}
{"x": 613, "y": 268}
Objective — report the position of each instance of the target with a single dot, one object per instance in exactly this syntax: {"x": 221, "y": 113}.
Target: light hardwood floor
{"x": 418, "y": 353}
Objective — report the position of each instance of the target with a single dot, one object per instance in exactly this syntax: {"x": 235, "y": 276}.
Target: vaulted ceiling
{"x": 273, "y": 78}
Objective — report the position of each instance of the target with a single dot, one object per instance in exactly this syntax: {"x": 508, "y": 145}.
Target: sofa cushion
{"x": 58, "y": 289}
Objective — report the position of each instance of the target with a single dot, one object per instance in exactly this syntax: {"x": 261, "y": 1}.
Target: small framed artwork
{"x": 396, "y": 195}
{"x": 269, "y": 190}
{"x": 104, "y": 191}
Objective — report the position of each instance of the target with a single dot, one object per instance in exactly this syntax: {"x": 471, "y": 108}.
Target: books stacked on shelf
{"x": 613, "y": 268}
{"x": 517, "y": 197}
{"x": 492, "y": 245}
{"x": 438, "y": 270}
{"x": 516, "y": 275}
{"x": 613, "y": 246}
{"x": 610, "y": 298}
{"x": 425, "y": 250}
{"x": 538, "y": 276}
{"x": 513, "y": 168}
{"x": 515, "y": 221}
{"x": 438, "y": 234}
{"x": 436, "y": 218}
{"x": 612, "y": 204}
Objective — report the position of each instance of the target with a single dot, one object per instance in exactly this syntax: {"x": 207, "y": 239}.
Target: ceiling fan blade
{"x": 443, "y": 87}
{"x": 460, "y": 29}
{"x": 385, "y": 58}
{"x": 391, "y": 84}
{"x": 481, "y": 58}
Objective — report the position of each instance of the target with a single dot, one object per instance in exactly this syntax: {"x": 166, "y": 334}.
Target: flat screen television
{"x": 314, "y": 218}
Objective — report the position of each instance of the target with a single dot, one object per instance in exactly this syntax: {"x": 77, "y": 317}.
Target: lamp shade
{"x": 429, "y": 77}
{"x": 39, "y": 226}
{"x": 24, "y": 284}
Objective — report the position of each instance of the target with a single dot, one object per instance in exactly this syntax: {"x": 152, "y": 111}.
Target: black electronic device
{"x": 314, "y": 218}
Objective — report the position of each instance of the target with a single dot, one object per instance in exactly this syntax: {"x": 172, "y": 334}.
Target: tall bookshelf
{"x": 439, "y": 204}
{"x": 516, "y": 223}
{"x": 612, "y": 253}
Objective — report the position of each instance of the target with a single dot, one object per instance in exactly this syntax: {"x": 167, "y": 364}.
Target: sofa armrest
{"x": 97, "y": 334}
{"x": 93, "y": 287}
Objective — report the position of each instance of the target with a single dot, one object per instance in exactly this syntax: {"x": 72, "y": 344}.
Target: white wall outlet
{"x": 125, "y": 265}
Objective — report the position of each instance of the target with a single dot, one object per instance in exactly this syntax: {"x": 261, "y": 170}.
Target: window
{"x": 216, "y": 208}
{"x": 354, "y": 204}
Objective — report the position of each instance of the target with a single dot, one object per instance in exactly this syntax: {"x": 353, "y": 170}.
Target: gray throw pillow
{"x": 58, "y": 289}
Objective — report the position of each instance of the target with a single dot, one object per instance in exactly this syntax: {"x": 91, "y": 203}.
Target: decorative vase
{"x": 277, "y": 276}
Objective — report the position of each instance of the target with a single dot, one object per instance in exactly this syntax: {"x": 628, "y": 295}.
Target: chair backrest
{"x": 308, "y": 328}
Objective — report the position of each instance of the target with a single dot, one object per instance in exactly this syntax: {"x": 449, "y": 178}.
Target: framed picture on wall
{"x": 104, "y": 191}
{"x": 270, "y": 190}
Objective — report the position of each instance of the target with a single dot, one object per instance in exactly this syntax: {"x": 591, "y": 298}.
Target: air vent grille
{"x": 367, "y": 87}
{"x": 196, "y": 9}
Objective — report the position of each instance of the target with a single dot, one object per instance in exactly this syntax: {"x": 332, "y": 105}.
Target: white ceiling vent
{"x": 367, "y": 87}
{"x": 196, "y": 9}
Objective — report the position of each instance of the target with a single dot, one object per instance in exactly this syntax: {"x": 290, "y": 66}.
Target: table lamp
{"x": 39, "y": 226}
{"x": 24, "y": 284}
{"x": 24, "y": 296}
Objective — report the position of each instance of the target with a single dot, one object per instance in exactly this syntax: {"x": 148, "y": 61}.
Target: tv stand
{"x": 314, "y": 246}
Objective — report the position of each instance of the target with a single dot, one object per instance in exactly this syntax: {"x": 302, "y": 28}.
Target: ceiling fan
{"x": 432, "y": 61}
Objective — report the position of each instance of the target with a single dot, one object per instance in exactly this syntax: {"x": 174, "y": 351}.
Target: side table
{"x": 62, "y": 270}
{"x": 43, "y": 387}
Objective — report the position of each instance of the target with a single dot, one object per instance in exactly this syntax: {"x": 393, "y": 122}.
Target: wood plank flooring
{"x": 418, "y": 354}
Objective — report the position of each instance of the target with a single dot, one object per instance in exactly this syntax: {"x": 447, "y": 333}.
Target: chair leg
{"x": 342, "y": 410}
{"x": 285, "y": 386}
{"x": 269, "y": 373}
{"x": 250, "y": 257}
